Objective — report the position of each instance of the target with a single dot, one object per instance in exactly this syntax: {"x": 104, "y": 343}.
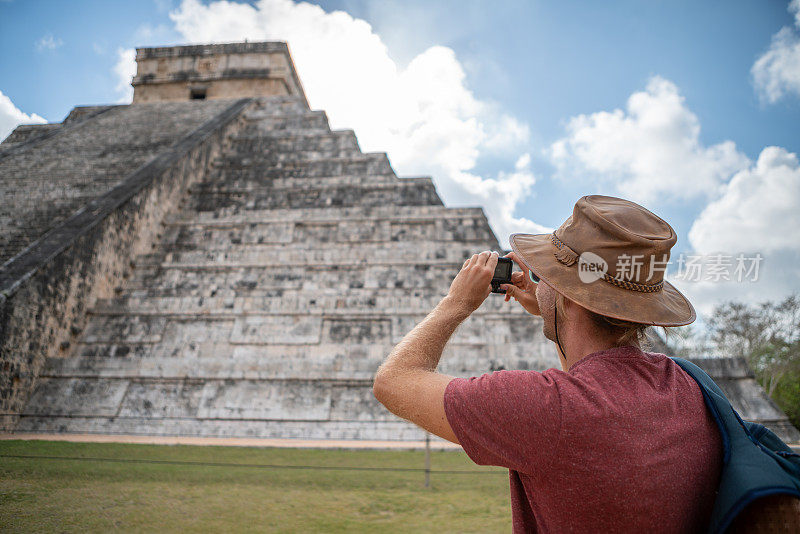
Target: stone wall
{"x": 235, "y": 88}
{"x": 128, "y": 175}
{"x": 46, "y": 178}
{"x": 738, "y": 382}
{"x": 27, "y": 132}
{"x": 231, "y": 70}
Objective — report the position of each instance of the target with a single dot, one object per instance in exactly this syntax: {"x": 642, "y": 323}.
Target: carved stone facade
{"x": 208, "y": 72}
{"x": 243, "y": 273}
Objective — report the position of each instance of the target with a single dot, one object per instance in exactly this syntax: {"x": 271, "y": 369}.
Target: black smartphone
{"x": 502, "y": 274}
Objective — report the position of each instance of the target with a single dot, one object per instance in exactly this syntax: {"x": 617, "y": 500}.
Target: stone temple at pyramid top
{"x": 215, "y": 71}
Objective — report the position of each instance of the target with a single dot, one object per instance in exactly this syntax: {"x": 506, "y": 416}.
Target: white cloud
{"x": 765, "y": 277}
{"x": 423, "y": 115}
{"x": 759, "y": 211}
{"x": 757, "y": 215}
{"x": 124, "y": 71}
{"x": 11, "y": 116}
{"x": 651, "y": 151}
{"x": 48, "y": 42}
{"x": 777, "y": 72}
{"x": 151, "y": 35}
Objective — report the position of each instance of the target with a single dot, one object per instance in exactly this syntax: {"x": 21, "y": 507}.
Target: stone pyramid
{"x": 278, "y": 286}
{"x": 242, "y": 271}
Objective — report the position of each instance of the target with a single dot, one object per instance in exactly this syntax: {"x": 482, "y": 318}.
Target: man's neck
{"x": 578, "y": 346}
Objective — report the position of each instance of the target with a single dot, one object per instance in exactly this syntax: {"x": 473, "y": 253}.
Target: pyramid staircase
{"x": 285, "y": 278}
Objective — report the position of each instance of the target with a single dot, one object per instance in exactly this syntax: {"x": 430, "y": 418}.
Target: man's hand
{"x": 522, "y": 288}
{"x": 472, "y": 284}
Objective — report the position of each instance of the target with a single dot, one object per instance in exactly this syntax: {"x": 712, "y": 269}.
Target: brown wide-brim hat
{"x": 634, "y": 245}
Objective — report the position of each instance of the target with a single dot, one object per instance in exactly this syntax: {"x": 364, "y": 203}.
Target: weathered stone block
{"x": 76, "y": 397}
{"x": 276, "y": 329}
{"x": 265, "y": 400}
{"x": 162, "y": 399}
{"x": 125, "y": 329}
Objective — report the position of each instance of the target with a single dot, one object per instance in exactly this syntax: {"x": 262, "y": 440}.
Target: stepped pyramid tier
{"x": 243, "y": 274}
{"x": 51, "y": 170}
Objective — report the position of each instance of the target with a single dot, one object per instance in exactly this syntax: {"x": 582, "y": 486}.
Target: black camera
{"x": 502, "y": 274}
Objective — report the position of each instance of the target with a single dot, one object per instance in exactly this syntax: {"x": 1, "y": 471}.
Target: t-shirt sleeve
{"x": 506, "y": 418}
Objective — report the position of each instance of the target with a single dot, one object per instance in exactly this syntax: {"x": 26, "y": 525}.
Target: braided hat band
{"x": 569, "y": 257}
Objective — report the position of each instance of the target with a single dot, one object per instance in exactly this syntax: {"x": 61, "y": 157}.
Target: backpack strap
{"x": 769, "y": 439}
{"x": 750, "y": 470}
{"x": 716, "y": 401}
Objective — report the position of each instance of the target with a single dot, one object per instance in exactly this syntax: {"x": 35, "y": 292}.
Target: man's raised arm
{"x": 407, "y": 383}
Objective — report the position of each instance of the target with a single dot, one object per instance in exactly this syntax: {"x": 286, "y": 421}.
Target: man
{"x": 618, "y": 440}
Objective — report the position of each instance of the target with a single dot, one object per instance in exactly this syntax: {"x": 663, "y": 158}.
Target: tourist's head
{"x": 606, "y": 263}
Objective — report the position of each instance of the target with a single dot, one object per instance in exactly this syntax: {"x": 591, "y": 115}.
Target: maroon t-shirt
{"x": 622, "y": 442}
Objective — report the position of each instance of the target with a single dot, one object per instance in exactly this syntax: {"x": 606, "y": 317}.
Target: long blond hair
{"x": 625, "y": 332}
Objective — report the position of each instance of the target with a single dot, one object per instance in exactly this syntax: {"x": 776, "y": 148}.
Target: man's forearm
{"x": 421, "y": 349}
{"x": 407, "y": 383}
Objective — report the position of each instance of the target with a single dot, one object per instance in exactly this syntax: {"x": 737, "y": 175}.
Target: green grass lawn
{"x": 69, "y": 495}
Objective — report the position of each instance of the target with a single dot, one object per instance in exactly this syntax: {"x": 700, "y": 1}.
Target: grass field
{"x": 186, "y": 488}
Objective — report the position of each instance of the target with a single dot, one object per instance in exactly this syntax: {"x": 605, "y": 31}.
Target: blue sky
{"x": 537, "y": 66}
{"x": 544, "y": 61}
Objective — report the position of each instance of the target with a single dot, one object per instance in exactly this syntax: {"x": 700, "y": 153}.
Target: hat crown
{"x": 634, "y": 242}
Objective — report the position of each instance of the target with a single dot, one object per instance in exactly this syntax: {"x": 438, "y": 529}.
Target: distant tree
{"x": 687, "y": 341}
{"x": 768, "y": 336}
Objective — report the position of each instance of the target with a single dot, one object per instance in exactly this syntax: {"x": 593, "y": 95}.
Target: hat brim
{"x": 667, "y": 307}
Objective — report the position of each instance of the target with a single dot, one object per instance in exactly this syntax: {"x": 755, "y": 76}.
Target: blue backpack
{"x": 756, "y": 463}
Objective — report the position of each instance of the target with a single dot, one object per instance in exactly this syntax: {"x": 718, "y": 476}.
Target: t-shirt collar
{"x": 625, "y": 350}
